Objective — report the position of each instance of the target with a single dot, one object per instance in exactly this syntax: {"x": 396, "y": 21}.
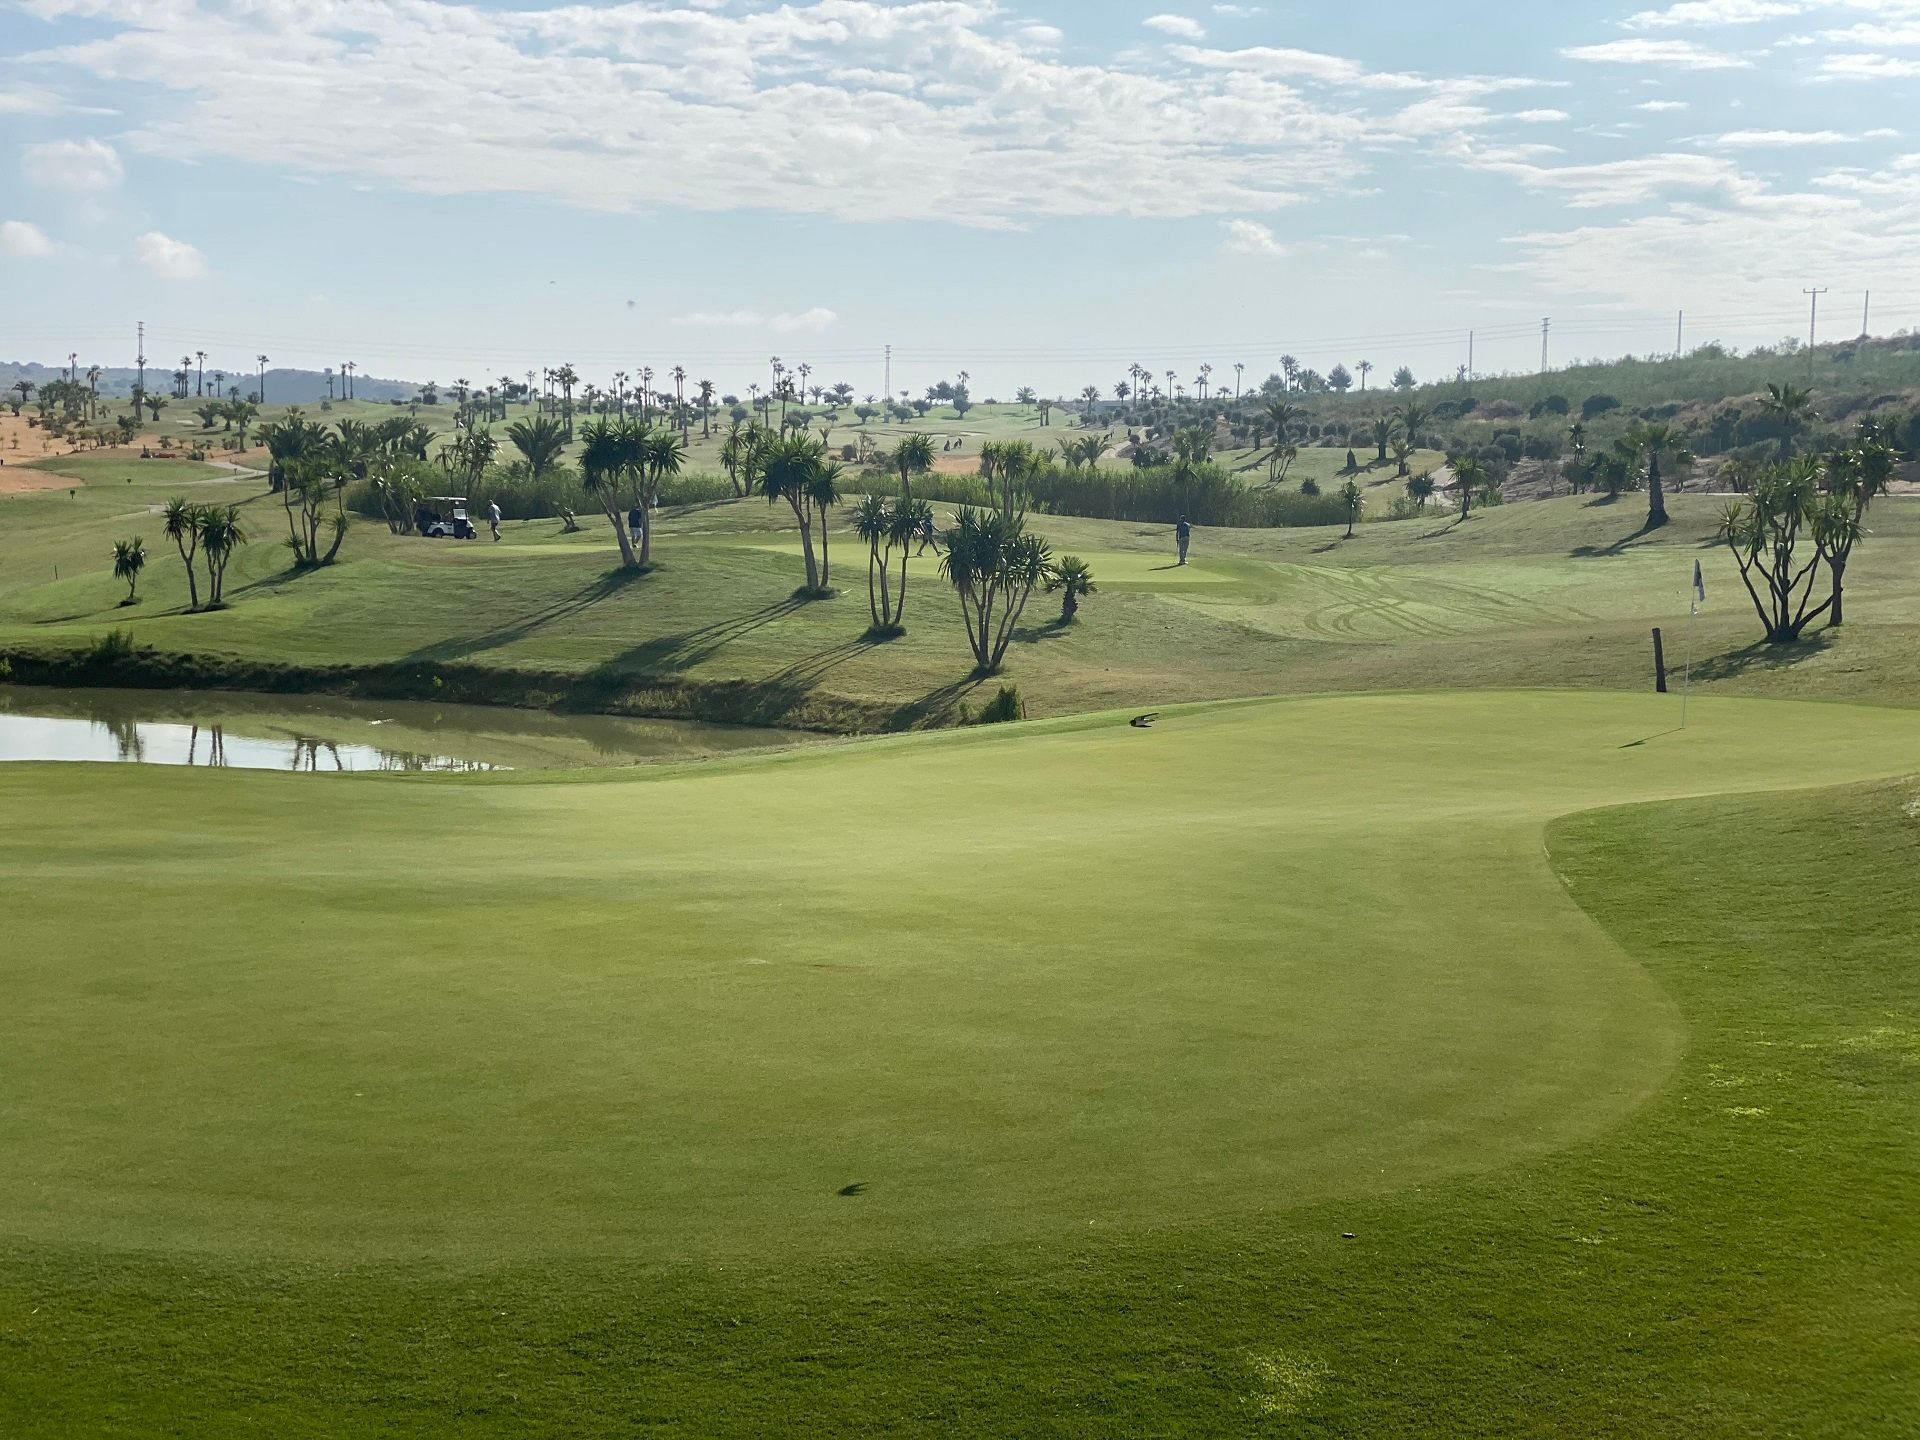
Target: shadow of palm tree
{"x": 519, "y": 628}
{"x": 934, "y": 704}
{"x": 1591, "y": 552}
{"x": 1762, "y": 657}
{"x": 686, "y": 648}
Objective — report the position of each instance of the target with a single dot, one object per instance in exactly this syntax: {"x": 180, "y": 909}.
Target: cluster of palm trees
{"x": 622, "y": 464}
{"x": 209, "y": 534}
{"x": 1797, "y": 500}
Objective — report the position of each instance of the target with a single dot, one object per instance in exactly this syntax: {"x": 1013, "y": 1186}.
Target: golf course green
{"x": 343, "y": 1105}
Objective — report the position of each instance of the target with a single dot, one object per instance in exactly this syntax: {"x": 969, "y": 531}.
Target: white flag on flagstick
{"x": 1699, "y": 588}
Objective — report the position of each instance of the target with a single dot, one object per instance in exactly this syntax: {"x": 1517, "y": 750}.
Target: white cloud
{"x": 1540, "y": 117}
{"x": 85, "y": 165}
{"x": 1249, "y": 237}
{"x": 1183, "y": 26}
{"x": 1771, "y": 139}
{"x": 1715, "y": 12}
{"x": 902, "y": 109}
{"x": 23, "y": 240}
{"x": 1867, "y": 67}
{"x": 818, "y": 318}
{"x": 168, "y": 258}
{"x": 1661, "y": 107}
{"x": 1681, "y": 54}
{"x": 1636, "y": 181}
{"x": 19, "y": 100}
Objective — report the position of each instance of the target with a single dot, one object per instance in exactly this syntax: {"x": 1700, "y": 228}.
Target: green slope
{"x": 1015, "y": 1082}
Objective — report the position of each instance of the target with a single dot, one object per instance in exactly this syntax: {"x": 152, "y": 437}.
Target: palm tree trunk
{"x": 1838, "y": 565}
{"x": 646, "y": 532}
{"x": 1656, "y": 496}
{"x": 900, "y": 606}
{"x": 826, "y": 557}
{"x": 615, "y": 519}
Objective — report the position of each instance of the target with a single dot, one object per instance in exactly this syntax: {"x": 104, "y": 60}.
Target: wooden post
{"x": 1659, "y": 663}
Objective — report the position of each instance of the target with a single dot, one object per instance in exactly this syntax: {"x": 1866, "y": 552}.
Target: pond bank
{"x": 766, "y": 704}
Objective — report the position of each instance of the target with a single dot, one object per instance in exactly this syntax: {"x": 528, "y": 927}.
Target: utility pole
{"x": 1866, "y": 302}
{"x": 1679, "y": 330}
{"x": 1813, "y": 314}
{"x": 140, "y": 358}
{"x": 888, "y": 391}
{"x": 1469, "y": 357}
{"x": 1545, "y": 324}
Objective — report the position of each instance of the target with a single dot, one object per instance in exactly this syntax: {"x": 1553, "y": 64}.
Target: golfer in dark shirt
{"x": 1182, "y": 532}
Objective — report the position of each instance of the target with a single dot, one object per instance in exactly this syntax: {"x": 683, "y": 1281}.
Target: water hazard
{"x": 322, "y": 735}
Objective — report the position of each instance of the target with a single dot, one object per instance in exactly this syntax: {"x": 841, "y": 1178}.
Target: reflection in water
{"x": 324, "y": 735}
{"x": 42, "y": 737}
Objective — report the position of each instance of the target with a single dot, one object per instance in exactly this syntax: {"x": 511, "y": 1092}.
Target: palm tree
{"x": 912, "y": 456}
{"x": 1854, "y": 477}
{"x": 1649, "y": 441}
{"x": 1283, "y": 419}
{"x": 873, "y": 523}
{"x": 182, "y": 522}
{"x": 1365, "y": 367}
{"x": 1238, "y": 369}
{"x": 541, "y": 441}
{"x": 607, "y": 465}
{"x": 1790, "y": 406}
{"x": 1411, "y": 415}
{"x": 660, "y": 452}
{"x": 823, "y": 490}
{"x": 1383, "y": 432}
{"x": 263, "y": 377}
{"x": 1091, "y": 397}
{"x": 1072, "y": 577}
{"x": 220, "y": 535}
{"x": 1350, "y": 494}
{"x": 789, "y": 473}
{"x": 1045, "y": 407}
{"x": 566, "y": 377}
{"x": 912, "y": 525}
{"x": 706, "y": 409}
{"x": 993, "y": 565}
{"x": 129, "y": 559}
{"x": 1470, "y": 479}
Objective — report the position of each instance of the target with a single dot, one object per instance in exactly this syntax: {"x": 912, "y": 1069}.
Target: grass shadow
{"x": 935, "y": 704}
{"x": 684, "y": 649}
{"x": 519, "y": 628}
{"x": 1762, "y": 657}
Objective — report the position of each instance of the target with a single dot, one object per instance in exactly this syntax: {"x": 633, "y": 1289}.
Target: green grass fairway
{"x": 1004, "y": 1082}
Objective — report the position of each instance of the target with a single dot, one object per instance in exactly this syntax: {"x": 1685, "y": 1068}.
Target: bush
{"x": 1597, "y": 405}
{"x": 1004, "y": 706}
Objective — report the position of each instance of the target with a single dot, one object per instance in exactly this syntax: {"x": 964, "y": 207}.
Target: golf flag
{"x": 1699, "y": 588}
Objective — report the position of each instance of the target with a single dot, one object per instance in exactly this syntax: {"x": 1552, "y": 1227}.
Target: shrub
{"x": 1005, "y": 706}
{"x": 1597, "y": 405}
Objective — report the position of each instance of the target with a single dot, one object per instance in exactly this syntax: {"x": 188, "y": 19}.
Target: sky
{"x": 1035, "y": 192}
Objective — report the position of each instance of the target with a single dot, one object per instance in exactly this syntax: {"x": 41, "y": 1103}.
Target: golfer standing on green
{"x": 1182, "y": 532}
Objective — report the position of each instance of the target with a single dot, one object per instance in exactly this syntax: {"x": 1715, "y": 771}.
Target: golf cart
{"x": 444, "y": 517}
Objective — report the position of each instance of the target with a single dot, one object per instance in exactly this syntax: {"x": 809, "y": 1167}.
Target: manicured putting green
{"x": 914, "y": 992}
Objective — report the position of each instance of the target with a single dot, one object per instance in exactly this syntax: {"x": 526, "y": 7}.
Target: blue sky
{"x": 1038, "y": 193}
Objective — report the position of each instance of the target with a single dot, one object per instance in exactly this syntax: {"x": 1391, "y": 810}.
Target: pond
{"x": 321, "y": 734}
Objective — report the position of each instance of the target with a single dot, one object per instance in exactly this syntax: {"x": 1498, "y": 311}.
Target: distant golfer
{"x": 634, "y": 520}
{"x": 1182, "y": 533}
{"x": 493, "y": 517}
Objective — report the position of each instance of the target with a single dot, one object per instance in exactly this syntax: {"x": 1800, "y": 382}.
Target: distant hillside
{"x": 284, "y": 386}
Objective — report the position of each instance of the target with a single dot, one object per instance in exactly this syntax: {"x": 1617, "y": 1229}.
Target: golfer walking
{"x": 493, "y": 517}
{"x": 1182, "y": 532}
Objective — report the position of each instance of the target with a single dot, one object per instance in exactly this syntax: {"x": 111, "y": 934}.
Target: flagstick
{"x": 1686, "y": 685}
